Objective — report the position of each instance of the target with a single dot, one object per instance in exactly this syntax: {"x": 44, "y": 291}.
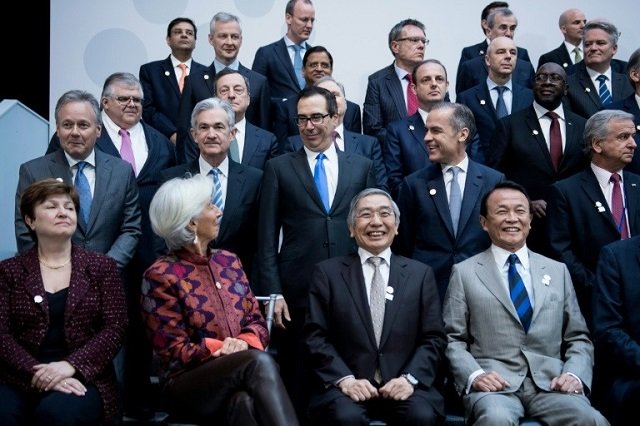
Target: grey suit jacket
{"x": 484, "y": 331}
{"x": 114, "y": 220}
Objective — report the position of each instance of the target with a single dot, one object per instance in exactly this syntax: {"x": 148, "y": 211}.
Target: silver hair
{"x": 79, "y": 96}
{"x": 597, "y": 126}
{"x": 329, "y": 78}
{"x": 213, "y": 103}
{"x": 223, "y": 17}
{"x": 121, "y": 78}
{"x": 606, "y": 26}
{"x": 351, "y": 217}
{"x": 460, "y": 117}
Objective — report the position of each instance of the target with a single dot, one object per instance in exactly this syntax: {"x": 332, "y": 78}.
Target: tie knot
{"x": 454, "y": 171}
{"x": 409, "y": 78}
{"x": 602, "y": 78}
{"x": 375, "y": 261}
{"x": 123, "y": 132}
{"x": 552, "y": 115}
{"x": 615, "y": 178}
{"x": 214, "y": 171}
{"x": 182, "y": 67}
{"x": 296, "y": 47}
{"x": 500, "y": 89}
{"x": 81, "y": 165}
{"x": 321, "y": 156}
{"x": 513, "y": 259}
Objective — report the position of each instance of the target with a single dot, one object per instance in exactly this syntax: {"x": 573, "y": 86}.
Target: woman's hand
{"x": 47, "y": 376}
{"x": 231, "y": 345}
{"x": 71, "y": 386}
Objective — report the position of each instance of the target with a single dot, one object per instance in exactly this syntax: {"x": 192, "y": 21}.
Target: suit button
{"x": 325, "y": 244}
{"x": 329, "y": 219}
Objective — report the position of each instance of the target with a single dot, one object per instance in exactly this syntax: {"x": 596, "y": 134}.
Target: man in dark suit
{"x": 501, "y": 23}
{"x": 213, "y": 130}
{"x": 484, "y": 99}
{"x": 571, "y": 23}
{"x": 355, "y": 318}
{"x": 345, "y": 140}
{"x": 389, "y": 96}
{"x": 162, "y": 81}
{"x": 316, "y": 64}
{"x": 535, "y": 150}
{"x": 278, "y": 61}
{"x": 404, "y": 151}
{"x": 581, "y": 208}
{"x": 313, "y": 220}
{"x": 616, "y": 331}
{"x": 480, "y": 49}
{"x": 594, "y": 75}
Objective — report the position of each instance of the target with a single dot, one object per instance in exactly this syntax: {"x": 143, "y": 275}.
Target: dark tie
{"x": 519, "y": 295}
{"x": 603, "y": 90}
{"x": 126, "y": 149}
{"x": 334, "y": 138}
{"x": 320, "y": 178}
{"x": 217, "y": 197}
{"x": 555, "y": 140}
{"x": 455, "y": 199}
{"x": 501, "y": 107}
{"x": 617, "y": 207}
{"x": 84, "y": 192}
{"x": 376, "y": 298}
{"x": 297, "y": 65}
{"x": 412, "y": 98}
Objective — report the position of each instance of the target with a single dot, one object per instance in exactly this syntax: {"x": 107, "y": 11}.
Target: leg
{"x": 423, "y": 408}
{"x": 240, "y": 410}
{"x": 557, "y": 408}
{"x": 623, "y": 400}
{"x": 494, "y": 409}
{"x": 13, "y": 406}
{"x": 61, "y": 409}
{"x": 340, "y": 410}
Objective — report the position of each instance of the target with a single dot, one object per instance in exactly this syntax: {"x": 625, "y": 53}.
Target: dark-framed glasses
{"x": 302, "y": 120}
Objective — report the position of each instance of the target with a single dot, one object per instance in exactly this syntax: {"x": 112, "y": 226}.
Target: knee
{"x": 264, "y": 363}
{"x": 589, "y": 417}
{"x": 495, "y": 414}
{"x": 424, "y": 415}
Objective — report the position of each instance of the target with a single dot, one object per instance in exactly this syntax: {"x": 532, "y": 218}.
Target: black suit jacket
{"x": 474, "y": 72}
{"x": 273, "y": 62}
{"x": 559, "y": 55}
{"x": 383, "y": 103}
{"x": 630, "y": 105}
{"x": 480, "y": 49}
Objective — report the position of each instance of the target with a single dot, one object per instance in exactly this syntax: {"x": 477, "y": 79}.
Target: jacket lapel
{"x": 301, "y": 169}
{"x": 397, "y": 280}
{"x": 489, "y": 275}
{"x": 355, "y": 285}
{"x": 250, "y": 143}
{"x": 472, "y": 187}
{"x": 438, "y": 194}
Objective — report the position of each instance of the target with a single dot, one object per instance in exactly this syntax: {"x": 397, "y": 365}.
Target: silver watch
{"x": 412, "y": 380}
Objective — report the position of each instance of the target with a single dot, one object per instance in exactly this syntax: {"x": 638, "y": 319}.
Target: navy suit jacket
{"x": 354, "y": 143}
{"x": 630, "y": 105}
{"x": 474, "y": 72}
{"x": 273, "y": 62}
{"x": 426, "y": 231}
{"x": 479, "y": 101}
{"x": 383, "y": 103}
{"x": 559, "y": 55}
{"x": 162, "y": 94}
{"x": 582, "y": 94}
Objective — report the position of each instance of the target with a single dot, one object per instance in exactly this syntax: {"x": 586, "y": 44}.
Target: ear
{"x": 234, "y": 131}
{"x": 483, "y": 223}
{"x": 464, "y": 135}
{"x": 103, "y": 102}
{"x": 634, "y": 75}
{"x": 595, "y": 145}
{"x": 29, "y": 222}
{"x": 211, "y": 39}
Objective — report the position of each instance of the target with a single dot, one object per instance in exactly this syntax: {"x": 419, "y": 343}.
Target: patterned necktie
{"x": 84, "y": 192}
{"x": 577, "y": 57}
{"x": 376, "y": 298}
{"x": 603, "y": 90}
{"x": 320, "y": 178}
{"x": 518, "y": 293}
{"x": 412, "y": 98}
{"x": 217, "y": 197}
{"x": 501, "y": 107}
{"x": 555, "y": 140}
{"x": 455, "y": 199}
{"x": 297, "y": 65}
{"x": 617, "y": 207}
{"x": 183, "y": 74}
{"x": 126, "y": 149}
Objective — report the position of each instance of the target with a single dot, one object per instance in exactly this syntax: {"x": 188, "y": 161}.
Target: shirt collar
{"x": 501, "y": 255}
{"x": 241, "y": 125}
{"x": 91, "y": 159}
{"x": 219, "y": 66}
{"x": 593, "y": 73}
{"x": 603, "y": 176}
{"x": 541, "y": 111}
{"x": 205, "y": 167}
{"x": 175, "y": 62}
{"x": 464, "y": 165}
{"x": 491, "y": 84}
{"x": 330, "y": 153}
{"x": 364, "y": 255}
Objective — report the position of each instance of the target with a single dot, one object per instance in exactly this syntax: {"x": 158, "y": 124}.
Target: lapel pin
{"x": 482, "y": 102}
{"x": 206, "y": 76}
{"x": 546, "y": 280}
{"x": 388, "y": 296}
{"x": 638, "y": 127}
{"x": 218, "y": 286}
{"x": 482, "y": 52}
{"x": 535, "y": 133}
{"x": 167, "y": 73}
{"x": 600, "y": 207}
{"x": 587, "y": 90}
{"x": 432, "y": 191}
{"x": 564, "y": 65}
{"x": 37, "y": 298}
{"x": 389, "y": 289}
{"x": 411, "y": 127}
{"x": 59, "y": 179}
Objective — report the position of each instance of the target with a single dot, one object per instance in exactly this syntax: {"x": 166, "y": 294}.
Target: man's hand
{"x": 539, "y": 208}
{"x": 566, "y": 383}
{"x": 281, "y": 313}
{"x": 398, "y": 389}
{"x": 358, "y": 389}
{"x": 489, "y": 382}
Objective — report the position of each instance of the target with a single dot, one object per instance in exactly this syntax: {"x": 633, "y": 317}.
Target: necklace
{"x": 46, "y": 265}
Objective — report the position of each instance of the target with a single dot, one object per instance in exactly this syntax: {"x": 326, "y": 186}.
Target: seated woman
{"x": 205, "y": 323}
{"x": 62, "y": 320}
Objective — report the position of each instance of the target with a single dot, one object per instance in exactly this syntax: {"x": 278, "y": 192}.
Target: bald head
{"x": 571, "y": 25}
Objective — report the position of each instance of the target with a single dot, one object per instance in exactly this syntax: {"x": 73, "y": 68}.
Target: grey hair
{"x": 606, "y": 26}
{"x": 351, "y": 217}
{"x": 461, "y": 118}
{"x": 175, "y": 204}
{"x": 223, "y": 17}
{"x": 597, "y": 126}
{"x": 79, "y": 96}
{"x": 503, "y": 11}
{"x": 329, "y": 78}
{"x": 121, "y": 78}
{"x": 213, "y": 103}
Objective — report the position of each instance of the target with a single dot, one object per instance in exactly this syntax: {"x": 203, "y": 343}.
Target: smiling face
{"x": 508, "y": 219}
{"x": 598, "y": 49}
{"x": 444, "y": 144}
{"x": 550, "y": 85}
{"x": 316, "y": 137}
{"x": 318, "y": 65}
{"x": 54, "y": 218}
{"x": 375, "y": 224}
{"x": 77, "y": 128}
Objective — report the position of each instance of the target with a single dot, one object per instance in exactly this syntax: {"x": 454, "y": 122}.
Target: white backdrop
{"x": 90, "y": 40}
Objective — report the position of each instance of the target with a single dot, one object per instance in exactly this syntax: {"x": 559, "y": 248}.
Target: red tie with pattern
{"x": 412, "y": 98}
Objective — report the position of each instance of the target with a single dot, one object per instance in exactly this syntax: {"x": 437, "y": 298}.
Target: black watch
{"x": 412, "y": 380}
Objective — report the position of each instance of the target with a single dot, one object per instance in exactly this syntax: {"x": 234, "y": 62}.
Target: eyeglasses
{"x": 414, "y": 40}
{"x": 553, "y": 78}
{"x": 124, "y": 100}
{"x": 302, "y": 120}
{"x": 382, "y": 213}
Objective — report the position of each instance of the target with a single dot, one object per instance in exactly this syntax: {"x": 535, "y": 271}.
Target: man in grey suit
{"x": 518, "y": 344}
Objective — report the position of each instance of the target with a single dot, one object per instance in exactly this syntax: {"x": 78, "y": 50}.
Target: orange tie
{"x": 183, "y": 74}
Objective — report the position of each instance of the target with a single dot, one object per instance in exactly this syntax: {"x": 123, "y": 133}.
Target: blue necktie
{"x": 320, "y": 178}
{"x": 455, "y": 199}
{"x": 519, "y": 295}
{"x": 297, "y": 65}
{"x": 603, "y": 90}
{"x": 216, "y": 195}
{"x": 501, "y": 107}
{"x": 84, "y": 191}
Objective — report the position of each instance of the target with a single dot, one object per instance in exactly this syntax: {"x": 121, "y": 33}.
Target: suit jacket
{"x": 383, "y": 103}
{"x": 162, "y": 94}
{"x": 95, "y": 321}
{"x": 480, "y": 49}
{"x": 273, "y": 62}
{"x": 238, "y": 229}
{"x": 630, "y": 105}
{"x": 354, "y": 143}
{"x": 474, "y": 72}
{"x": 559, "y": 55}
{"x": 290, "y": 201}
{"x": 114, "y": 222}
{"x": 582, "y": 94}
{"x": 339, "y": 330}
{"x": 426, "y": 232}
{"x": 479, "y": 101}
{"x": 484, "y": 330}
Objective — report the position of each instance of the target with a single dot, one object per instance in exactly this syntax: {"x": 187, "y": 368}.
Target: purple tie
{"x": 126, "y": 150}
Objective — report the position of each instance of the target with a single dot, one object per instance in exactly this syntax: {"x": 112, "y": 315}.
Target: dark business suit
{"x": 114, "y": 220}
{"x": 426, "y": 232}
{"x": 478, "y": 99}
{"x": 578, "y": 230}
{"x": 559, "y": 55}
{"x": 480, "y": 49}
{"x": 162, "y": 94}
{"x": 341, "y": 340}
{"x": 474, "y": 72}
{"x": 354, "y": 143}
{"x": 630, "y": 105}
{"x": 519, "y": 150}
{"x": 582, "y": 94}
{"x": 259, "y": 146}
{"x": 383, "y": 103}
{"x": 274, "y": 62}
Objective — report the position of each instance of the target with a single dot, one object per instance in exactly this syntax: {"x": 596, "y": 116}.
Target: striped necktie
{"x": 518, "y": 294}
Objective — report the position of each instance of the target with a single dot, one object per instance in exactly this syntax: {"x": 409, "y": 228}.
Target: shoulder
{"x": 384, "y": 72}
{"x": 334, "y": 264}
{"x": 248, "y": 171}
{"x": 271, "y": 46}
{"x": 94, "y": 261}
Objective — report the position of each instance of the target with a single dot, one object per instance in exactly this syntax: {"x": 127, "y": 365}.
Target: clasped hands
{"x": 57, "y": 376}
{"x": 397, "y": 389}
{"x": 494, "y": 382}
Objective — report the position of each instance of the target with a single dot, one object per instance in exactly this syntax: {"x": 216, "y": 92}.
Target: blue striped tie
{"x": 216, "y": 195}
{"x": 603, "y": 90}
{"x": 84, "y": 192}
{"x": 519, "y": 295}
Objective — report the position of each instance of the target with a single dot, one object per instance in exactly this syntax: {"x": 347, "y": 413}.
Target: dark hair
{"x": 179, "y": 20}
{"x": 633, "y": 64}
{"x": 502, "y": 11}
{"x": 228, "y": 71}
{"x": 505, "y": 184}
{"x": 316, "y": 49}
{"x": 491, "y": 6}
{"x": 309, "y": 91}
{"x": 38, "y": 192}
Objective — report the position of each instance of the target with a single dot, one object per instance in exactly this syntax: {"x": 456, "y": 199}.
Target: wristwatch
{"x": 412, "y": 380}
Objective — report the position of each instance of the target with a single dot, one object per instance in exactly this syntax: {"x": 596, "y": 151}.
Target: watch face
{"x": 411, "y": 379}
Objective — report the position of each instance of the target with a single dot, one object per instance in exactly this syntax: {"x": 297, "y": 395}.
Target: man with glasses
{"x": 305, "y": 193}
{"x": 540, "y": 145}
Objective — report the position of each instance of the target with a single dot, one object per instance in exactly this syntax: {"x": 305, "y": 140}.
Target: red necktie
{"x": 412, "y": 98}
{"x": 617, "y": 207}
{"x": 555, "y": 140}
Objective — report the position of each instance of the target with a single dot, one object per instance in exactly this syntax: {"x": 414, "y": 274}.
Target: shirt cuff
{"x": 472, "y": 377}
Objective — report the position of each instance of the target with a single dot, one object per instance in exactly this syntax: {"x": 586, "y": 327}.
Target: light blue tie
{"x": 84, "y": 191}
{"x": 518, "y": 293}
{"x": 501, "y": 107}
{"x": 603, "y": 90}
{"x": 455, "y": 199}
{"x": 320, "y": 178}
{"x": 234, "y": 152}
{"x": 297, "y": 65}
{"x": 217, "y": 196}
